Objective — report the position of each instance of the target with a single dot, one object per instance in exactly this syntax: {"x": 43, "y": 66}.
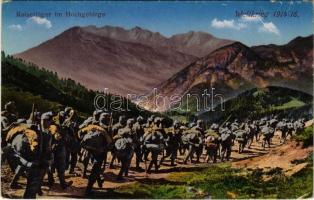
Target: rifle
{"x": 32, "y": 117}
{"x": 225, "y": 121}
{"x": 110, "y": 122}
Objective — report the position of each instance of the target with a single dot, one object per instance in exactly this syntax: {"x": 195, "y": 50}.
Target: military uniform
{"x": 290, "y": 128}
{"x": 193, "y": 138}
{"x": 124, "y": 147}
{"x": 115, "y": 129}
{"x": 282, "y": 127}
{"x": 172, "y": 142}
{"x": 154, "y": 143}
{"x": 241, "y": 137}
{"x": 267, "y": 133}
{"x": 96, "y": 140}
{"x": 59, "y": 151}
{"x": 211, "y": 143}
{"x": 226, "y": 143}
{"x": 138, "y": 141}
{"x": 200, "y": 127}
{"x": 72, "y": 143}
{"x": 299, "y": 125}
{"x": 41, "y": 160}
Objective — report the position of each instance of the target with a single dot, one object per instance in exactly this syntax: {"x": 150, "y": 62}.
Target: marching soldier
{"x": 226, "y": 143}
{"x": 59, "y": 151}
{"x": 121, "y": 124}
{"x": 212, "y": 143}
{"x": 96, "y": 140}
{"x": 172, "y": 142}
{"x": 282, "y": 127}
{"x": 72, "y": 143}
{"x": 200, "y": 127}
{"x": 139, "y": 131}
{"x": 267, "y": 133}
{"x": 38, "y": 158}
{"x": 154, "y": 142}
{"x": 124, "y": 147}
{"x": 241, "y": 136}
{"x": 193, "y": 138}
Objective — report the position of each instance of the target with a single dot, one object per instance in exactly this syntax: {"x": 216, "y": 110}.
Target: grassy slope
{"x": 221, "y": 181}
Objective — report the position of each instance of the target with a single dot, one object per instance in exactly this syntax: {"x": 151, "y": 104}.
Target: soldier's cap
{"x": 122, "y": 117}
{"x": 149, "y": 119}
{"x": 97, "y": 112}
{"x": 157, "y": 119}
{"x": 139, "y": 118}
{"x": 223, "y": 130}
{"x": 198, "y": 122}
{"x": 68, "y": 109}
{"x": 21, "y": 121}
{"x": 191, "y": 124}
{"x": 37, "y": 114}
{"x": 176, "y": 122}
{"x": 130, "y": 121}
{"x": 47, "y": 116}
{"x": 104, "y": 114}
{"x": 214, "y": 126}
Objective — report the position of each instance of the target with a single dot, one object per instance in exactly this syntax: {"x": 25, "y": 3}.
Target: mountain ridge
{"x": 235, "y": 68}
{"x": 125, "y": 61}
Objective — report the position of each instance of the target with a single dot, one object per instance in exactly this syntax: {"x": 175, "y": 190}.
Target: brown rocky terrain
{"x": 194, "y": 43}
{"x": 125, "y": 61}
{"x": 235, "y": 68}
{"x": 99, "y": 62}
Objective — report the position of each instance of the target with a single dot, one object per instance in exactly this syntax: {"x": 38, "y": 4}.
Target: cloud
{"x": 269, "y": 27}
{"x": 228, "y": 24}
{"x": 16, "y": 27}
{"x": 252, "y": 18}
{"x": 40, "y": 21}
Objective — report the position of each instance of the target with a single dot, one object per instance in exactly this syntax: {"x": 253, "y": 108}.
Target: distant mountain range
{"x": 236, "y": 68}
{"x": 135, "y": 61}
{"x": 125, "y": 61}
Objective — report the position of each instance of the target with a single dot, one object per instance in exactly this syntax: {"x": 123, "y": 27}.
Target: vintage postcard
{"x": 157, "y": 99}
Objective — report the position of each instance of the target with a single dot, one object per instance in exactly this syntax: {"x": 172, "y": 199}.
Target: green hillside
{"x": 26, "y": 83}
{"x": 262, "y": 101}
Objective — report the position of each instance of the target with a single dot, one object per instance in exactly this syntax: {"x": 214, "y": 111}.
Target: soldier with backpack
{"x": 194, "y": 139}
{"x": 212, "y": 143}
{"x": 267, "y": 133}
{"x": 154, "y": 143}
{"x": 124, "y": 147}
{"x": 226, "y": 143}
{"x": 138, "y": 142}
{"x": 96, "y": 140}
{"x": 115, "y": 129}
{"x": 172, "y": 142}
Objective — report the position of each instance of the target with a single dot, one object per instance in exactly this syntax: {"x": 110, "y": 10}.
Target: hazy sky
{"x": 168, "y": 18}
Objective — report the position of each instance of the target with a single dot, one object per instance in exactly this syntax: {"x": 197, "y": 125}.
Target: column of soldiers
{"x": 54, "y": 142}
